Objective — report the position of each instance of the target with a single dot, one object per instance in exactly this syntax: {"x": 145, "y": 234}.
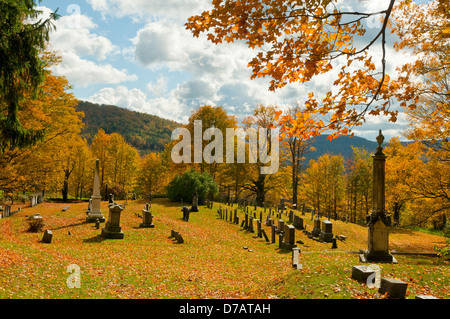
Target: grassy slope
{"x": 210, "y": 264}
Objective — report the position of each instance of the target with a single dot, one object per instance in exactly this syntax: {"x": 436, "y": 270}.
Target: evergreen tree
{"x": 22, "y": 37}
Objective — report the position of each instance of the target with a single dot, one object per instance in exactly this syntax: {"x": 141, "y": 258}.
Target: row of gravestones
{"x": 6, "y": 211}
{"x": 286, "y": 233}
{"x": 36, "y": 199}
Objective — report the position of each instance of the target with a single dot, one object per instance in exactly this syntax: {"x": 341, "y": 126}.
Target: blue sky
{"x": 136, "y": 54}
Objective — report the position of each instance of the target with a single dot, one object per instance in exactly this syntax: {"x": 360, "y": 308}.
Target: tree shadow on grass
{"x": 71, "y": 225}
{"x": 401, "y": 230}
{"x": 96, "y": 239}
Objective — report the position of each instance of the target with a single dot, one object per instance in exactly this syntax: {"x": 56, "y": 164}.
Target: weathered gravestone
{"x": 177, "y": 236}
{"x": 250, "y": 224}
{"x": 316, "y": 229}
{"x": 194, "y": 207}
{"x": 296, "y": 258}
{"x": 112, "y": 229}
{"x": 186, "y": 211}
{"x": 147, "y": 218}
{"x": 263, "y": 231}
{"x": 289, "y": 237}
{"x": 258, "y": 227}
{"x": 298, "y": 222}
{"x": 47, "y": 238}
{"x": 393, "y": 287}
{"x": 274, "y": 231}
{"x": 362, "y": 272}
{"x": 334, "y": 243}
{"x": 326, "y": 233}
{"x": 280, "y": 227}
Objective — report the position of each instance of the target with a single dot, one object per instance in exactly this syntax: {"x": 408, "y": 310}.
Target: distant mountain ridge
{"x": 145, "y": 132}
{"x": 341, "y": 145}
{"x": 150, "y": 133}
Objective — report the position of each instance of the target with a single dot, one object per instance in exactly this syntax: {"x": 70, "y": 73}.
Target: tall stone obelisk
{"x": 378, "y": 222}
{"x": 95, "y": 212}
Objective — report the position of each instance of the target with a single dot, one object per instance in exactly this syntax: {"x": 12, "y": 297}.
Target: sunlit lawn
{"x": 212, "y": 262}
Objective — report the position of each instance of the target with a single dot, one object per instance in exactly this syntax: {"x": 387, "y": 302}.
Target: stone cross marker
{"x": 378, "y": 222}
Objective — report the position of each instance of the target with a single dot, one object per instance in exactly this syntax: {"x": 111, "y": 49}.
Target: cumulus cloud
{"x": 212, "y": 74}
{"x": 84, "y": 72}
{"x": 83, "y": 52}
{"x": 150, "y": 10}
{"x": 168, "y": 107}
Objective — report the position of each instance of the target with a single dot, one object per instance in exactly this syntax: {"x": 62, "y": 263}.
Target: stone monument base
{"x": 287, "y": 246}
{"x": 91, "y": 218}
{"x": 316, "y": 232}
{"x": 112, "y": 232}
{"x": 144, "y": 225}
{"x": 326, "y": 237}
{"x": 377, "y": 257}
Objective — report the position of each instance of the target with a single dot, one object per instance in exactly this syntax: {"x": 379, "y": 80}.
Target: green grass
{"x": 210, "y": 264}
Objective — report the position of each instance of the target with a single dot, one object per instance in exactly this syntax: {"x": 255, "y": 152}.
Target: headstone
{"x": 95, "y": 212}
{"x": 47, "y": 238}
{"x": 65, "y": 208}
{"x": 280, "y": 227}
{"x": 393, "y": 287}
{"x": 274, "y": 228}
{"x": 112, "y": 229}
{"x": 334, "y": 243}
{"x": 295, "y": 257}
{"x": 179, "y": 239}
{"x": 298, "y": 222}
{"x": 186, "y": 211}
{"x": 111, "y": 198}
{"x": 316, "y": 229}
{"x": 246, "y": 221}
{"x": 147, "y": 218}
{"x": 194, "y": 207}
{"x": 362, "y": 272}
{"x": 289, "y": 238}
{"x": 263, "y": 231}
{"x": 326, "y": 233}
{"x": 258, "y": 227}
{"x": 250, "y": 224}
{"x": 291, "y": 216}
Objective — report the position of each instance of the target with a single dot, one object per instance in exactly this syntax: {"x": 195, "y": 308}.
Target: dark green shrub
{"x": 183, "y": 187}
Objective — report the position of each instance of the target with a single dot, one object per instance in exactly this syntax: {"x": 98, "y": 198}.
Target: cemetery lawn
{"x": 217, "y": 260}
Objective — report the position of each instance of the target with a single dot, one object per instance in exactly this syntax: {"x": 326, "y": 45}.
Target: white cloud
{"x": 159, "y": 88}
{"x": 168, "y": 107}
{"x": 150, "y": 10}
{"x": 83, "y": 52}
{"x": 83, "y": 72}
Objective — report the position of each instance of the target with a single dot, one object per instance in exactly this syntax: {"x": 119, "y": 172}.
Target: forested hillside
{"x": 145, "y": 132}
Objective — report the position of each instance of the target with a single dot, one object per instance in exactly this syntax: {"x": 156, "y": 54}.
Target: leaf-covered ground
{"x": 212, "y": 262}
